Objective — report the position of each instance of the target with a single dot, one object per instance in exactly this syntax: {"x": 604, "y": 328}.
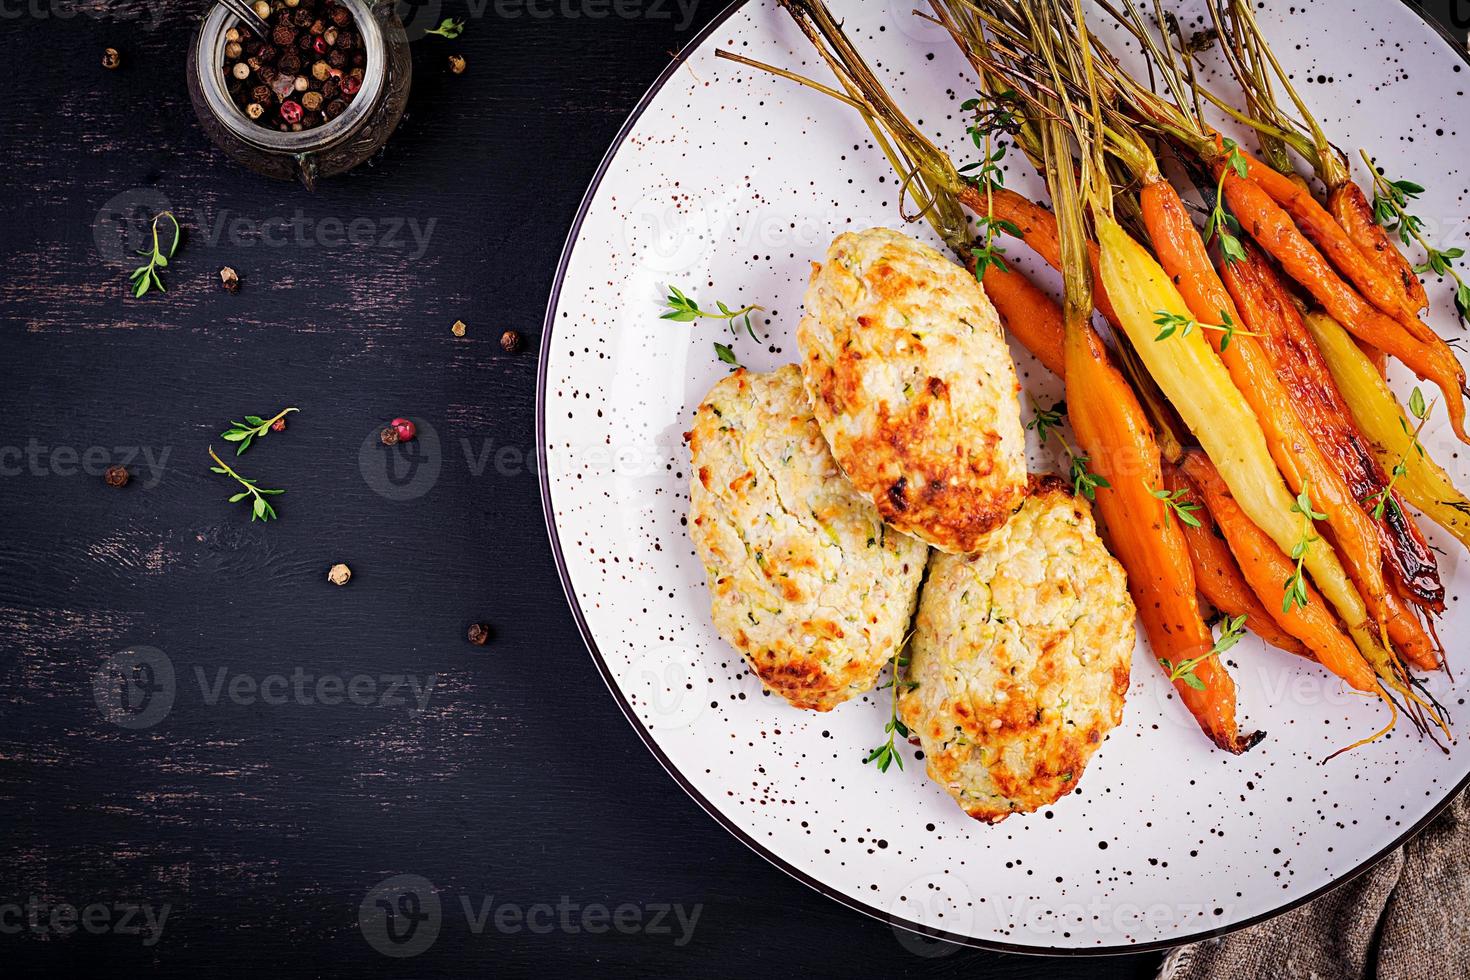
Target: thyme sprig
{"x": 1222, "y": 223}
{"x": 1391, "y": 210}
{"x": 145, "y": 277}
{"x": 1231, "y": 632}
{"x": 1384, "y": 499}
{"x": 1047, "y": 422}
{"x": 1171, "y": 323}
{"x": 1176, "y": 503}
{"x": 260, "y": 508}
{"x": 888, "y": 753}
{"x": 1296, "y": 583}
{"x": 986, "y": 174}
{"x": 244, "y": 433}
{"x": 685, "y": 309}
{"x": 1046, "y": 419}
{"x": 449, "y": 27}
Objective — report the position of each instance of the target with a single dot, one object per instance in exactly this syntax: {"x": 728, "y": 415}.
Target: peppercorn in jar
{"x": 305, "y": 73}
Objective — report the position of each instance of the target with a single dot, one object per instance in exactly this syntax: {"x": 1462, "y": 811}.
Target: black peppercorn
{"x": 389, "y": 436}
{"x": 284, "y": 35}
{"x": 478, "y": 634}
{"x": 337, "y": 58}
{"x": 340, "y": 16}
{"x": 265, "y": 52}
{"x": 290, "y": 63}
{"x": 303, "y": 17}
{"x": 510, "y": 341}
{"x": 334, "y": 109}
{"x": 110, "y": 58}
{"x": 116, "y": 476}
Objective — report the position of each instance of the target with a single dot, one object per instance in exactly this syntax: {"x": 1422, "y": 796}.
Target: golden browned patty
{"x": 913, "y": 386}
{"x": 1021, "y": 656}
{"x": 804, "y": 578}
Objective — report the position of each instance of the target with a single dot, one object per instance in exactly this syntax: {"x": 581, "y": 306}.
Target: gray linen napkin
{"x": 1406, "y": 918}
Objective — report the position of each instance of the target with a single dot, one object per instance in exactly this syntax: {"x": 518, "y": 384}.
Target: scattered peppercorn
{"x": 457, "y": 64}
{"x": 479, "y": 634}
{"x": 116, "y": 476}
{"x": 339, "y": 574}
{"x": 389, "y": 436}
{"x": 279, "y": 425}
{"x": 458, "y": 329}
{"x": 110, "y": 58}
{"x": 510, "y": 342}
{"x": 406, "y": 430}
{"x": 229, "y": 279}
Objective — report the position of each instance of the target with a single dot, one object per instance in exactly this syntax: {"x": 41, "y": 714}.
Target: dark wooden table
{"x": 292, "y": 771}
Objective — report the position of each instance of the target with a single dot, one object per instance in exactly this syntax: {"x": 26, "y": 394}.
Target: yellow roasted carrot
{"x": 1389, "y": 431}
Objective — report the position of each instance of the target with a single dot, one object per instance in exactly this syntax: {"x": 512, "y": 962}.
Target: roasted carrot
{"x": 1202, "y": 391}
{"x": 1182, "y": 255}
{"x": 1351, "y": 208}
{"x": 1267, "y": 569}
{"x": 1323, "y": 230}
{"x": 1118, "y": 445}
{"x": 1028, "y": 314}
{"x": 1264, "y": 303}
{"x": 1218, "y": 575}
{"x": 1038, "y": 228}
{"x": 1424, "y": 482}
{"x": 1112, "y": 430}
{"x": 1269, "y": 225}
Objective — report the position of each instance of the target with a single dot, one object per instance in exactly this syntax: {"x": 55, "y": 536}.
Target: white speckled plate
{"x": 727, "y": 183}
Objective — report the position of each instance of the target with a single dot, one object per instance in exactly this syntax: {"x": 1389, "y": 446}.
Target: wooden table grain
{"x": 246, "y": 826}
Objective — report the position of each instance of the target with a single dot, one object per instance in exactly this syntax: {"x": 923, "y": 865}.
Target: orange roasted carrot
{"x": 1218, "y": 576}
{"x": 1409, "y": 635}
{"x": 1182, "y": 255}
{"x": 1038, "y": 228}
{"x": 1323, "y": 230}
{"x": 1274, "y": 230}
{"x": 1350, "y": 207}
{"x": 1264, "y": 303}
{"x": 1028, "y": 314}
{"x": 1113, "y": 431}
{"x": 1268, "y": 569}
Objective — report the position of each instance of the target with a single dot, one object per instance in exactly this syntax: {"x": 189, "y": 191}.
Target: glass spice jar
{"x": 332, "y": 148}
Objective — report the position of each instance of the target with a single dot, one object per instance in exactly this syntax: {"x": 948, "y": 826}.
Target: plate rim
{"x": 739, "y": 833}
